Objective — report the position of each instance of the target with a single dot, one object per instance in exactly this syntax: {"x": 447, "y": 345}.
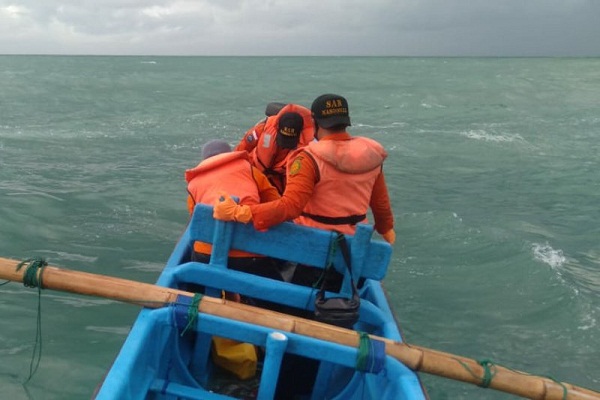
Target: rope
{"x": 564, "y": 388}
{"x": 488, "y": 374}
{"x": 362, "y": 356}
{"x": 192, "y": 312}
{"x": 489, "y": 371}
{"x": 370, "y": 356}
{"x": 32, "y": 277}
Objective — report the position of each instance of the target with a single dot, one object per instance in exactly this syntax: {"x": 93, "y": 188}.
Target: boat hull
{"x": 168, "y": 353}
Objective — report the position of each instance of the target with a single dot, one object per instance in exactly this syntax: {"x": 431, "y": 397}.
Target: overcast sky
{"x": 302, "y": 27}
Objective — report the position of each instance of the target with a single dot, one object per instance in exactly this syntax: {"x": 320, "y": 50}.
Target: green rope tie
{"x": 33, "y": 278}
{"x": 489, "y": 372}
{"x": 192, "y": 312}
{"x": 564, "y": 388}
{"x": 362, "y": 356}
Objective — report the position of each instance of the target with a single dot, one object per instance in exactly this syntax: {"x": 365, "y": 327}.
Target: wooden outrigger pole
{"x": 415, "y": 357}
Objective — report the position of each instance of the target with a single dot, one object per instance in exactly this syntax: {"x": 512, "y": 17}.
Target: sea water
{"x": 493, "y": 173}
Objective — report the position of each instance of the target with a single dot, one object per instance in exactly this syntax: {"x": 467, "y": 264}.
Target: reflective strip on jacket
{"x": 347, "y": 172}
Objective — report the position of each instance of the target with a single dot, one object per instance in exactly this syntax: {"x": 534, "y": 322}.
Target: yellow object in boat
{"x": 236, "y": 357}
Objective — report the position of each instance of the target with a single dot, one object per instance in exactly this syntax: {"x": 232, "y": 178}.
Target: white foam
{"x": 588, "y": 322}
{"x": 433, "y": 105}
{"x": 481, "y": 134}
{"x": 546, "y": 254}
{"x": 117, "y": 330}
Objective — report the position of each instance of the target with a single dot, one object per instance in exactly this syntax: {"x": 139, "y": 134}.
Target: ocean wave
{"x": 557, "y": 261}
{"x": 62, "y": 255}
{"x": 117, "y": 330}
{"x": 14, "y": 350}
{"x": 481, "y": 134}
{"x": 546, "y": 254}
{"x": 80, "y": 302}
{"x": 588, "y": 322}
{"x": 391, "y": 125}
{"x": 427, "y": 105}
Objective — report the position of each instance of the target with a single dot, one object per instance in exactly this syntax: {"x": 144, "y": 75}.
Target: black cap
{"x": 215, "y": 147}
{"x": 330, "y": 110}
{"x": 288, "y": 130}
{"x": 273, "y": 108}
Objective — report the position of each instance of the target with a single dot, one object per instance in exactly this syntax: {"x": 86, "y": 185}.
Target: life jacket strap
{"x": 347, "y": 220}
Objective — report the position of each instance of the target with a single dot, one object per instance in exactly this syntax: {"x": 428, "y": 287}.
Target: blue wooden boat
{"x": 167, "y": 354}
{"x": 186, "y": 334}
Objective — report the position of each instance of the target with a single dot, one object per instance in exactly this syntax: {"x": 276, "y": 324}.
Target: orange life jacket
{"x": 269, "y": 158}
{"x": 228, "y": 172}
{"x": 348, "y": 170}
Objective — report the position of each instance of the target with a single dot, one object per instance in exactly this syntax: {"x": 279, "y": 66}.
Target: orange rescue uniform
{"x": 232, "y": 173}
{"x": 302, "y": 177}
{"x": 266, "y": 155}
{"x": 250, "y": 139}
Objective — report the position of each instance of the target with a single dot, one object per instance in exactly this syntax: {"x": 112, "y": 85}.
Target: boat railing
{"x": 295, "y": 243}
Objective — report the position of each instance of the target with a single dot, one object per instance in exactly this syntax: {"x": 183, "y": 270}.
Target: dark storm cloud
{"x": 296, "y": 27}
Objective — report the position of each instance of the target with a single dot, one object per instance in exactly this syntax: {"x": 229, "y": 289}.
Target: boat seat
{"x": 286, "y": 241}
{"x": 310, "y": 246}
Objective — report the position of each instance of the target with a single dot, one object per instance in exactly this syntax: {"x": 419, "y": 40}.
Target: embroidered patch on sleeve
{"x": 295, "y": 167}
{"x": 252, "y": 137}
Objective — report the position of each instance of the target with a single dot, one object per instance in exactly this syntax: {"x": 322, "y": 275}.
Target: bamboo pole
{"x": 417, "y": 358}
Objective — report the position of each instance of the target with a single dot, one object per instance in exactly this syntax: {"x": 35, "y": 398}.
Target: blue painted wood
{"x": 288, "y": 241}
{"x": 275, "y": 350}
{"x": 158, "y": 362}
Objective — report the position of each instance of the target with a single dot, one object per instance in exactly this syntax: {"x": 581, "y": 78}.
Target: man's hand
{"x": 226, "y": 209}
{"x": 390, "y": 236}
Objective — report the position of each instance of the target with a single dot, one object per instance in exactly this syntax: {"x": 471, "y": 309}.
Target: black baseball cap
{"x": 289, "y": 128}
{"x": 330, "y": 110}
{"x": 273, "y": 108}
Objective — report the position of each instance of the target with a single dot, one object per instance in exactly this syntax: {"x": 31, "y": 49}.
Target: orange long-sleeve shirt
{"x": 300, "y": 186}
{"x": 251, "y": 137}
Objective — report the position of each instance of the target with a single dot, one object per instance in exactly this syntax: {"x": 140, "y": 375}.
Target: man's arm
{"x": 301, "y": 179}
{"x": 381, "y": 206}
{"x": 250, "y": 139}
{"x": 266, "y": 190}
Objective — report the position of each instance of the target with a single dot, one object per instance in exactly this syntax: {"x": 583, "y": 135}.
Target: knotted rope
{"x": 32, "y": 277}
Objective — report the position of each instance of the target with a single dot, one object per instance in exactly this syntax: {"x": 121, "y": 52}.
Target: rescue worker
{"x": 331, "y": 183}
{"x": 224, "y": 170}
{"x": 282, "y": 135}
{"x": 250, "y": 139}
{"x": 279, "y": 138}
